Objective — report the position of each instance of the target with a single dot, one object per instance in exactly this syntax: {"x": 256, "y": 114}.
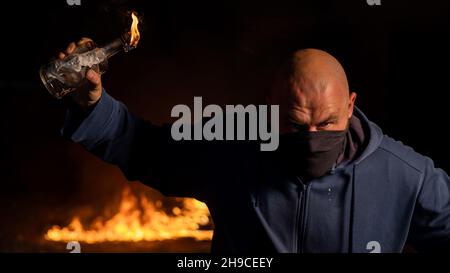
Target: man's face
{"x": 305, "y": 108}
{"x": 315, "y": 108}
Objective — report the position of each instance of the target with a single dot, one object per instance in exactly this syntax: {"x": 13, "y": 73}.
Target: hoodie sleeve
{"x": 143, "y": 151}
{"x": 430, "y": 230}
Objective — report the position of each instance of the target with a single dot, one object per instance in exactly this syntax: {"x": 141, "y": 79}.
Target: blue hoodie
{"x": 385, "y": 198}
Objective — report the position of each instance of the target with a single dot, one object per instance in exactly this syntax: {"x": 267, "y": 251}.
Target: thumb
{"x": 93, "y": 77}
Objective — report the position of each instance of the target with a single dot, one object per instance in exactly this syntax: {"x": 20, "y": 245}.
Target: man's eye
{"x": 299, "y": 127}
{"x": 325, "y": 124}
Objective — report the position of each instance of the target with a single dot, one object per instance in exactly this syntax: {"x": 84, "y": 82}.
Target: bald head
{"x": 314, "y": 70}
{"x": 313, "y": 93}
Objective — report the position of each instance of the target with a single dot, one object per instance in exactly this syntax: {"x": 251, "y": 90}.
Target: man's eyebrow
{"x": 295, "y": 121}
{"x": 330, "y": 118}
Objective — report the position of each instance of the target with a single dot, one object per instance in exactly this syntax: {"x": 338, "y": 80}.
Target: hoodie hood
{"x": 373, "y": 133}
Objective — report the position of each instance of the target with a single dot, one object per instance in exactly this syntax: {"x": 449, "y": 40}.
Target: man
{"x": 336, "y": 184}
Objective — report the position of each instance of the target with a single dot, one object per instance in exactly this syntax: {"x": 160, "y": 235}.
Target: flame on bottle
{"x": 134, "y": 31}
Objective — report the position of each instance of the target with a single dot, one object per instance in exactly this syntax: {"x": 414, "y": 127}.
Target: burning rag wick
{"x": 135, "y": 35}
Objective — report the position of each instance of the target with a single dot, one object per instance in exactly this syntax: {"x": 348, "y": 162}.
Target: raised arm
{"x": 143, "y": 151}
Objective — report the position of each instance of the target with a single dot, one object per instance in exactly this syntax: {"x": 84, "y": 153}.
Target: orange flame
{"x": 135, "y": 35}
{"x": 133, "y": 224}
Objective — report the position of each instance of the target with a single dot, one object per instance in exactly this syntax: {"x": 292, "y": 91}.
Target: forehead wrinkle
{"x": 299, "y": 114}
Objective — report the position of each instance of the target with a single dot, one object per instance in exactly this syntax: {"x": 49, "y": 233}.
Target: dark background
{"x": 396, "y": 57}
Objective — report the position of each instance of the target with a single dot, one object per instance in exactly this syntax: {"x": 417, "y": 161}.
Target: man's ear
{"x": 351, "y": 104}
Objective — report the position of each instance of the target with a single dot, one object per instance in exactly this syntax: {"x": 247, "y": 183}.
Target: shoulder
{"x": 399, "y": 165}
{"x": 404, "y": 155}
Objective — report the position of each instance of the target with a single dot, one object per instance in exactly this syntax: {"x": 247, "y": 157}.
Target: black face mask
{"x": 311, "y": 155}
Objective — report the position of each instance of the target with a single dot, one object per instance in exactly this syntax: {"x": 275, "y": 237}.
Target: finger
{"x": 61, "y": 55}
{"x": 93, "y": 77}
{"x": 71, "y": 48}
{"x": 85, "y": 41}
